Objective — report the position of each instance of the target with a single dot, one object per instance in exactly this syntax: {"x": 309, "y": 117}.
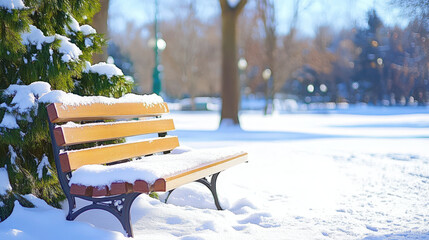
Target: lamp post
{"x": 158, "y": 45}
{"x": 266, "y": 75}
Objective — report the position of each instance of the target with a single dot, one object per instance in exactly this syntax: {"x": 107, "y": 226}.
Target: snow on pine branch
{"x": 44, "y": 163}
{"x": 74, "y": 26}
{"x": 9, "y": 121}
{"x": 4, "y": 182}
{"x": 69, "y": 50}
{"x": 103, "y": 68}
{"x": 36, "y": 37}
{"x": 25, "y": 95}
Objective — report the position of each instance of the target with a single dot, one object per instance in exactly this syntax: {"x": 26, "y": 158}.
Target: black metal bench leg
{"x": 72, "y": 205}
{"x": 210, "y": 185}
{"x": 125, "y": 216}
{"x": 119, "y": 206}
{"x": 168, "y": 195}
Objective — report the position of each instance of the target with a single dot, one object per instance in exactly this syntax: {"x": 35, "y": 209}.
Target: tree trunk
{"x": 99, "y": 22}
{"x": 230, "y": 84}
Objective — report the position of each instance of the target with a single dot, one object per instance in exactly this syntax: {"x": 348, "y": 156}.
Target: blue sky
{"x": 337, "y": 13}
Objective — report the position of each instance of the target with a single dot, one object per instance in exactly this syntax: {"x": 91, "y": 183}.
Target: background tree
{"x": 268, "y": 17}
{"x": 418, "y": 11}
{"x": 367, "y": 72}
{"x": 413, "y": 7}
{"x": 230, "y": 83}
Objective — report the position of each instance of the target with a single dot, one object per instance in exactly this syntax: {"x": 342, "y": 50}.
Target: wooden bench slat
{"x": 115, "y": 188}
{"x": 99, "y": 191}
{"x": 81, "y": 190}
{"x": 58, "y": 112}
{"x": 166, "y": 184}
{"x": 71, "y": 160}
{"x": 70, "y": 135}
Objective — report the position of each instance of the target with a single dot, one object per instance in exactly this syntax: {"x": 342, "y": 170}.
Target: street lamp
{"x": 242, "y": 64}
{"x": 310, "y": 88}
{"x": 266, "y": 75}
{"x": 323, "y": 88}
{"x": 158, "y": 45}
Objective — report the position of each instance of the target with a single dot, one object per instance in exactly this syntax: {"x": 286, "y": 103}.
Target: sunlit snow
{"x": 351, "y": 174}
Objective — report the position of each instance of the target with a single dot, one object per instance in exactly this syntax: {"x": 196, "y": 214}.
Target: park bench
{"x": 111, "y": 175}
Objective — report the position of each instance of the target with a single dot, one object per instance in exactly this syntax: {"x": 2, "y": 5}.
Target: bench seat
{"x": 158, "y": 173}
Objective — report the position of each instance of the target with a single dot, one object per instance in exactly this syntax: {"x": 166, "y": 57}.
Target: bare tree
{"x": 413, "y": 7}
{"x": 132, "y": 43}
{"x": 268, "y": 17}
{"x": 193, "y": 50}
{"x": 290, "y": 55}
{"x": 230, "y": 83}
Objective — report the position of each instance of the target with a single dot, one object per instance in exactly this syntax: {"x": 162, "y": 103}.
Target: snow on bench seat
{"x": 153, "y": 173}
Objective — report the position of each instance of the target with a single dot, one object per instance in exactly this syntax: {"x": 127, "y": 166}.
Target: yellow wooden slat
{"x": 98, "y": 111}
{"x": 172, "y": 182}
{"x": 71, "y": 160}
{"x": 69, "y": 135}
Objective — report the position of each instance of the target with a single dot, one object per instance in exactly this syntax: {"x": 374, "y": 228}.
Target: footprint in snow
{"x": 263, "y": 219}
{"x": 374, "y": 229}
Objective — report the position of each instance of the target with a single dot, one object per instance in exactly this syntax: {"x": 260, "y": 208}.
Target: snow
{"x": 103, "y": 68}
{"x": 9, "y": 121}
{"x": 36, "y": 37}
{"x": 74, "y": 26}
{"x": 12, "y": 4}
{"x": 40, "y": 88}
{"x": 36, "y": 224}
{"x": 4, "y": 181}
{"x": 25, "y": 95}
{"x": 150, "y": 168}
{"x": 13, "y": 155}
{"x": 69, "y": 50}
{"x": 86, "y": 29}
{"x": 44, "y": 163}
{"x": 70, "y": 99}
{"x": 355, "y": 174}
{"x": 88, "y": 42}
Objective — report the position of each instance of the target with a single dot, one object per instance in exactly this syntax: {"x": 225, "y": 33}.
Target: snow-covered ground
{"x": 353, "y": 174}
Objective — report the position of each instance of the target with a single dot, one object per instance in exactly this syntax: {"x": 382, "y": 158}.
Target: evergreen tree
{"x": 368, "y": 66}
{"x": 42, "y": 40}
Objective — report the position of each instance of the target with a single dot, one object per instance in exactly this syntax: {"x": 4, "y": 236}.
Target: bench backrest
{"x": 89, "y": 131}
